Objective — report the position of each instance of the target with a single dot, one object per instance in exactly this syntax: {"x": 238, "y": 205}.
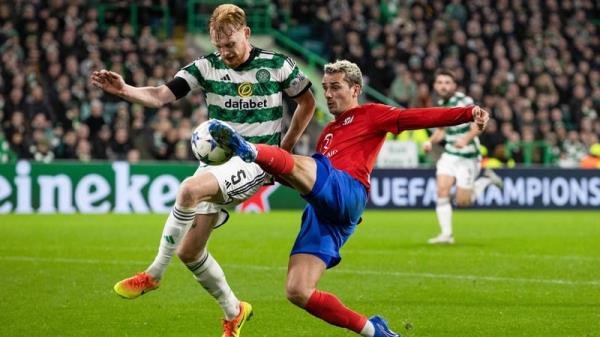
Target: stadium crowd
{"x": 533, "y": 63}
{"x": 48, "y": 108}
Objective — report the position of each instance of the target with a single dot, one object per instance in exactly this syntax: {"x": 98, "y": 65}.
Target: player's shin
{"x": 274, "y": 160}
{"x": 443, "y": 209}
{"x": 209, "y": 274}
{"x": 177, "y": 224}
{"x": 329, "y": 308}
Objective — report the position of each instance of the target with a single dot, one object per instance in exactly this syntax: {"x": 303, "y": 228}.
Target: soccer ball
{"x": 205, "y": 148}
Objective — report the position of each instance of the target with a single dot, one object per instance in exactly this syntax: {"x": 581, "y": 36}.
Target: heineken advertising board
{"x": 119, "y": 187}
{"x": 70, "y": 187}
{"x": 90, "y": 188}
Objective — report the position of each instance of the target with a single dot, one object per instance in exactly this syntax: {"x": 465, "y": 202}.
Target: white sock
{"x": 177, "y": 224}
{"x": 443, "y": 209}
{"x": 210, "y": 275}
{"x": 368, "y": 330}
{"x": 480, "y": 184}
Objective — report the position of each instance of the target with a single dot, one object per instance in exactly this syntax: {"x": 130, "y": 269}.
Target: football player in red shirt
{"x": 335, "y": 183}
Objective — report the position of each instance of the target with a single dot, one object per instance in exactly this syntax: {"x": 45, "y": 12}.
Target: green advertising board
{"x": 119, "y": 187}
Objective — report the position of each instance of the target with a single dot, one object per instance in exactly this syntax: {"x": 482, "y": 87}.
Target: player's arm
{"x": 113, "y": 83}
{"x": 297, "y": 86}
{"x": 474, "y": 132}
{"x": 300, "y": 119}
{"x": 420, "y": 118}
{"x": 435, "y": 138}
{"x": 396, "y": 120}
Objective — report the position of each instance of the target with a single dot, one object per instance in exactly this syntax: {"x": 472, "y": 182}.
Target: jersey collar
{"x": 253, "y": 53}
{"x": 345, "y": 113}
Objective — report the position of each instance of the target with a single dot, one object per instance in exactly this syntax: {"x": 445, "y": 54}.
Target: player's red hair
{"x": 227, "y": 19}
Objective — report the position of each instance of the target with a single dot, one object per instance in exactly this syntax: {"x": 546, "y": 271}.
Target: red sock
{"x": 330, "y": 309}
{"x": 274, "y": 160}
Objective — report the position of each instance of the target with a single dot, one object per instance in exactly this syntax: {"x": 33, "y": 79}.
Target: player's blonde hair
{"x": 227, "y": 19}
{"x": 352, "y": 72}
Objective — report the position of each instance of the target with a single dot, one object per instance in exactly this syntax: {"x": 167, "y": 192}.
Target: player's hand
{"x": 108, "y": 81}
{"x": 480, "y": 117}
{"x": 427, "y": 146}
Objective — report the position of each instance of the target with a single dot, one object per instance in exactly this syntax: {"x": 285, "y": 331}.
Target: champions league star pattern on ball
{"x": 205, "y": 149}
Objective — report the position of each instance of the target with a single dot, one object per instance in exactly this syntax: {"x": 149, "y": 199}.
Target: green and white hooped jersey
{"x": 250, "y": 97}
{"x": 454, "y": 133}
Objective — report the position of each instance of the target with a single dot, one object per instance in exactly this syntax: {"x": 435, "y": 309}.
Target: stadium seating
{"x": 532, "y": 63}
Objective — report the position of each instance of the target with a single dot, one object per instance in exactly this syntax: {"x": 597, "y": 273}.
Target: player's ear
{"x": 247, "y": 32}
{"x": 355, "y": 90}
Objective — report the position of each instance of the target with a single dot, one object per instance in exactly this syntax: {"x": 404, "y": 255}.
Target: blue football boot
{"x": 381, "y": 327}
{"x": 227, "y": 137}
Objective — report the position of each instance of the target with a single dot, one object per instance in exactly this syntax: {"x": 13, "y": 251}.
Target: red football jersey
{"x": 352, "y": 141}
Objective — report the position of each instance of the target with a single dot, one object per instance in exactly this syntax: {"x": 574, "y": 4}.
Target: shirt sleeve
{"x": 395, "y": 120}
{"x": 295, "y": 83}
{"x": 179, "y": 87}
{"x": 192, "y": 75}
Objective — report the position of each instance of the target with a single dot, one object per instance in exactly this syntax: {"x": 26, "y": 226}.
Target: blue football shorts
{"x": 335, "y": 206}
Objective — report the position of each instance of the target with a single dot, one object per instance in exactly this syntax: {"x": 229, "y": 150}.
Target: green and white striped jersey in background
{"x": 454, "y": 133}
{"x": 250, "y": 97}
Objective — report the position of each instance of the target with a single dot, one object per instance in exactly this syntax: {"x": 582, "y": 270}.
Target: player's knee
{"x": 443, "y": 192}
{"x": 190, "y": 191}
{"x": 297, "y": 294}
{"x": 186, "y": 191}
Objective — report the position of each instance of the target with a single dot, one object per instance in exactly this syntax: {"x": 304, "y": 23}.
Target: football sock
{"x": 368, "y": 330}
{"x": 274, "y": 160}
{"x": 330, "y": 309}
{"x": 443, "y": 209}
{"x": 209, "y": 274}
{"x": 480, "y": 185}
{"x": 177, "y": 224}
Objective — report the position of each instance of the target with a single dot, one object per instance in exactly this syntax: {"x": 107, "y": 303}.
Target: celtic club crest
{"x": 263, "y": 75}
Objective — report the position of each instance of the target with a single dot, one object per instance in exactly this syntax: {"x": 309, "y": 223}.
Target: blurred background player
{"x": 459, "y": 164}
{"x": 231, "y": 79}
{"x": 335, "y": 183}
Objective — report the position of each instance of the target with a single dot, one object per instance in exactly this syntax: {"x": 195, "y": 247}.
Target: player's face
{"x": 339, "y": 94}
{"x": 233, "y": 45}
{"x": 444, "y": 86}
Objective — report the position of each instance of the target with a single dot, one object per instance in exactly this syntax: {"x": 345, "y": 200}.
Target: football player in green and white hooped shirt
{"x": 460, "y": 162}
{"x": 244, "y": 86}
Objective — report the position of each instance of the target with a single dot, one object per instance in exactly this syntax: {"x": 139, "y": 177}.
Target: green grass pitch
{"x": 510, "y": 274}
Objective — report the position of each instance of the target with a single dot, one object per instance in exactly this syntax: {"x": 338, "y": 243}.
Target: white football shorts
{"x": 464, "y": 170}
{"x": 237, "y": 180}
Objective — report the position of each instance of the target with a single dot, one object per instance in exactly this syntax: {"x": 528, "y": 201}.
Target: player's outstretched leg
{"x": 229, "y": 138}
{"x": 494, "y": 177}
{"x": 135, "y": 286}
{"x": 489, "y": 177}
{"x": 381, "y": 327}
{"x": 233, "y": 327}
